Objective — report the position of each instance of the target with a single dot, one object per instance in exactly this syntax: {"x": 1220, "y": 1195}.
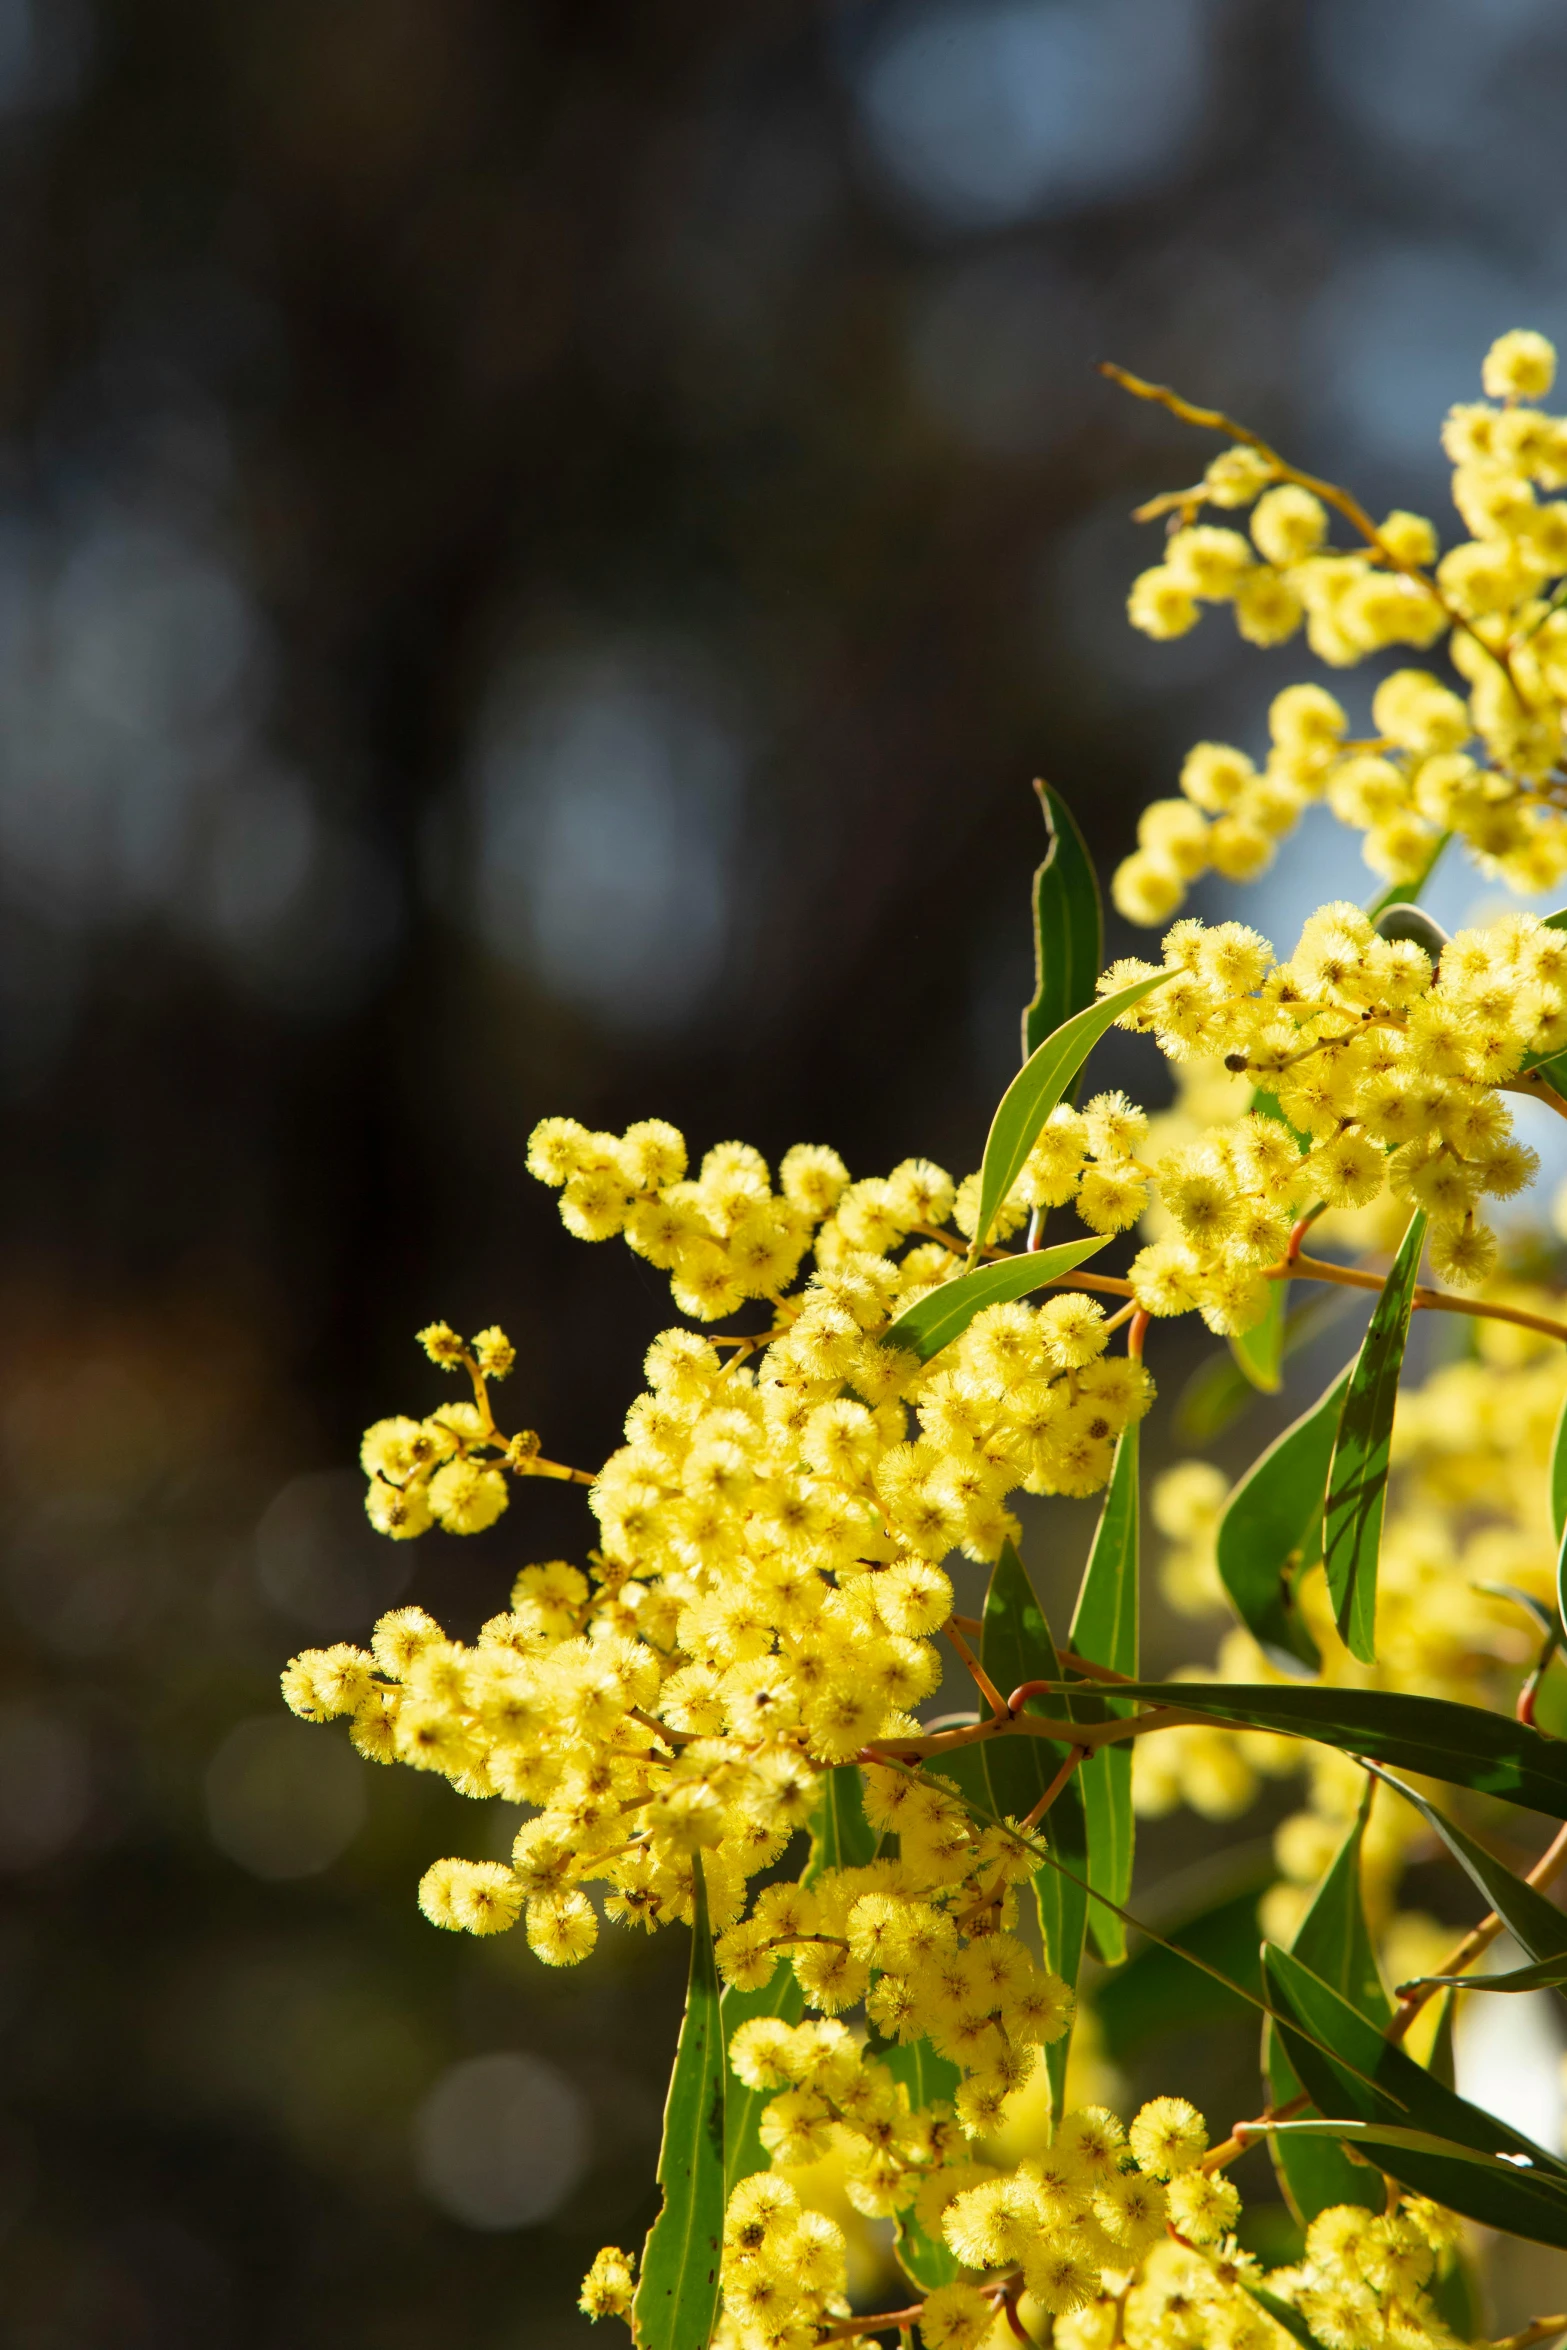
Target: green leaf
{"x": 841, "y": 1836}
{"x": 1104, "y": 1630}
{"x": 1407, "y": 893}
{"x": 677, "y": 2299}
{"x": 1549, "y": 1975}
{"x": 1217, "y": 1394}
{"x": 1015, "y": 1646}
{"x": 1068, "y": 926}
{"x": 1036, "y": 1089}
{"x": 943, "y": 1314}
{"x": 1281, "y": 2313}
{"x": 1334, "y": 1940}
{"x": 1259, "y": 1351}
{"x": 1559, "y": 1474}
{"x": 1436, "y": 1739}
{"x": 1425, "y": 2136}
{"x": 927, "y": 2077}
{"x": 1535, "y": 1923}
{"x": 743, "y": 2106}
{"x": 1271, "y": 1531}
{"x": 1357, "y": 1480}
{"x": 1158, "y": 1991}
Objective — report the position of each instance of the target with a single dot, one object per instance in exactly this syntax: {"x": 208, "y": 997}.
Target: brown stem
{"x": 1539, "y": 2329}
{"x": 1234, "y": 2146}
{"x": 848, "y": 2326}
{"x": 1414, "y": 1995}
{"x": 981, "y": 1679}
{"x": 1305, "y": 1268}
{"x": 1214, "y": 420}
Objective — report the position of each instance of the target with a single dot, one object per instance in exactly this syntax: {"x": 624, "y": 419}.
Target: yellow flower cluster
{"x": 1388, "y": 1074}
{"x": 1363, "y": 2281}
{"x": 1485, "y": 765}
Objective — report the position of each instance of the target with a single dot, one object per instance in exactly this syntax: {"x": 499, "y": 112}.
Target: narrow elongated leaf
{"x": 1357, "y": 1479}
{"x": 1015, "y": 1646}
{"x": 1035, "y": 1090}
{"x": 743, "y": 2106}
{"x": 1104, "y": 1629}
{"x": 927, "y": 2076}
{"x": 1259, "y": 1351}
{"x": 1559, "y": 1474}
{"x": 1534, "y": 1922}
{"x": 1068, "y": 925}
{"x": 1334, "y": 1940}
{"x": 677, "y": 2299}
{"x": 1431, "y": 1736}
{"x": 1549, "y": 1975}
{"x": 1271, "y": 1530}
{"x": 1424, "y": 2135}
{"x": 943, "y": 1314}
{"x": 1282, "y": 2314}
{"x": 841, "y": 1836}
{"x": 1407, "y": 893}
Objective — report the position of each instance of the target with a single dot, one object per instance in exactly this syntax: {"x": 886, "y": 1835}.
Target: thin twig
{"x": 1214, "y": 420}
{"x": 1413, "y": 1996}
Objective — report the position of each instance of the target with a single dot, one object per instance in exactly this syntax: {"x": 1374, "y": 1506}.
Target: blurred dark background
{"x": 540, "y": 549}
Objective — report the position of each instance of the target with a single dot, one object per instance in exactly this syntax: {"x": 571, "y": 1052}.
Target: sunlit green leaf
{"x": 1282, "y": 2314}
{"x": 1559, "y": 1473}
{"x": 1423, "y": 2134}
{"x": 743, "y": 2106}
{"x": 1465, "y": 1745}
{"x": 1334, "y": 1940}
{"x": 1068, "y": 926}
{"x": 1259, "y": 1351}
{"x": 1104, "y": 1629}
{"x": 943, "y": 1314}
{"x": 1407, "y": 892}
{"x": 1271, "y": 1530}
{"x": 1015, "y": 1646}
{"x": 926, "y": 2076}
{"x": 841, "y": 1836}
{"x": 677, "y": 2297}
{"x": 1357, "y": 1478}
{"x": 1039, "y": 1085}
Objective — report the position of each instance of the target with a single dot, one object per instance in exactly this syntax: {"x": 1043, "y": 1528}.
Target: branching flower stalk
{"x": 720, "y": 1716}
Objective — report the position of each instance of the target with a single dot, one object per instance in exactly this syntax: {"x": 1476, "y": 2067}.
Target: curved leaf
{"x": 927, "y": 2077}
{"x": 841, "y": 1836}
{"x": 1281, "y": 2313}
{"x": 1015, "y": 1646}
{"x": 1334, "y": 1940}
{"x": 1426, "y": 2136}
{"x": 943, "y": 1314}
{"x": 1068, "y": 925}
{"x": 1035, "y": 1090}
{"x": 1104, "y": 1629}
{"x": 743, "y": 2106}
{"x": 1259, "y": 1351}
{"x": 1432, "y": 1736}
{"x": 1406, "y": 893}
{"x": 677, "y": 2298}
{"x": 1534, "y": 1922}
{"x": 1272, "y": 1529}
{"x": 1559, "y": 1473}
{"x": 1549, "y": 1975}
{"x": 1357, "y": 1479}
